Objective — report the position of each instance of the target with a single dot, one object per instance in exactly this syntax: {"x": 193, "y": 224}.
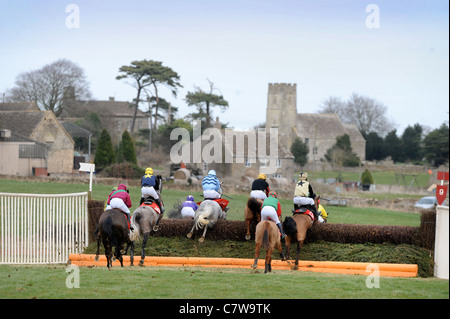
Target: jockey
{"x": 260, "y": 187}
{"x": 107, "y": 206}
{"x": 304, "y": 195}
{"x": 211, "y": 186}
{"x": 271, "y": 209}
{"x": 322, "y": 212}
{"x": 189, "y": 207}
{"x": 149, "y": 187}
{"x": 120, "y": 199}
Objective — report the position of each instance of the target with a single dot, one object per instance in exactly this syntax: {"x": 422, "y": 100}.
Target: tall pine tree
{"x": 105, "y": 154}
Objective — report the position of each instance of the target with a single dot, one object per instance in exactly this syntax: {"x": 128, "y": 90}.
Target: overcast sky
{"x": 324, "y": 46}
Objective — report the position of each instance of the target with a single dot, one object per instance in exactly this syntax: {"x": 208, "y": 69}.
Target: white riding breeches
{"x": 149, "y": 191}
{"x": 303, "y": 201}
{"x": 187, "y": 212}
{"x": 269, "y": 212}
{"x": 209, "y": 193}
{"x": 119, "y": 204}
{"x": 258, "y": 194}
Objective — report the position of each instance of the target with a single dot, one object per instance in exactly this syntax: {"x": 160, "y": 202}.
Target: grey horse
{"x": 144, "y": 219}
{"x": 206, "y": 216}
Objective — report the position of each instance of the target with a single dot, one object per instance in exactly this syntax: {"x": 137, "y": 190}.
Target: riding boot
{"x": 142, "y": 200}
{"x": 283, "y": 235}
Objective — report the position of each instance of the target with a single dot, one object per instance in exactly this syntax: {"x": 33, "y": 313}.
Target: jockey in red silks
{"x": 120, "y": 199}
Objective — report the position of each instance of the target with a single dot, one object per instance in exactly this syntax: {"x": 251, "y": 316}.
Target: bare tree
{"x": 46, "y": 86}
{"x": 368, "y": 114}
{"x": 333, "y": 105}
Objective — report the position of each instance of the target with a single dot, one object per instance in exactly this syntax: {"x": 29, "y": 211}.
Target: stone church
{"x": 318, "y": 131}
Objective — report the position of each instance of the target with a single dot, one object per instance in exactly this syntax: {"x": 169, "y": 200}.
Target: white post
{"x": 441, "y": 243}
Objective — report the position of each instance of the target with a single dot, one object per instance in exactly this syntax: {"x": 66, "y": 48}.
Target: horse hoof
{"x": 189, "y": 235}
{"x": 201, "y": 240}
{"x": 97, "y": 258}
{"x": 141, "y": 262}
{"x": 113, "y": 259}
{"x": 254, "y": 266}
{"x": 247, "y": 237}
{"x": 295, "y": 267}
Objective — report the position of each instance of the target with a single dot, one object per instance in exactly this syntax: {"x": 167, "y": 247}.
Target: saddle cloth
{"x": 152, "y": 205}
{"x": 222, "y": 202}
{"x": 306, "y": 212}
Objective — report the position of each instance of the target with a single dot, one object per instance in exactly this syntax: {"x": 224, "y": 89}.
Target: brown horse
{"x": 252, "y": 213}
{"x": 296, "y": 228}
{"x": 268, "y": 236}
{"x": 113, "y": 230}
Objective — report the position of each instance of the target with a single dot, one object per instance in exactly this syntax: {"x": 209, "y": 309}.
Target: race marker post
{"x": 88, "y": 167}
{"x": 441, "y": 246}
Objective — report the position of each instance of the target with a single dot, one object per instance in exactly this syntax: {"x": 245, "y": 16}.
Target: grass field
{"x": 204, "y": 283}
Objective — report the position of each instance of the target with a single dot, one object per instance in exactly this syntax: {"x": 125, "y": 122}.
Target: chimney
{"x": 111, "y": 99}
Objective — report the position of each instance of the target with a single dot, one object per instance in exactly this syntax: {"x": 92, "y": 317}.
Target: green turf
{"x": 200, "y": 283}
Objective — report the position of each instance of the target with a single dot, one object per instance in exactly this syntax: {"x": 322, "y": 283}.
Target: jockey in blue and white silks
{"x": 211, "y": 186}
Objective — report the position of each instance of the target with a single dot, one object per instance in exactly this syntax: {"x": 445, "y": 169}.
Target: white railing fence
{"x": 42, "y": 229}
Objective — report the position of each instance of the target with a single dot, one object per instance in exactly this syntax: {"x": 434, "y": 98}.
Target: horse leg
{"x": 144, "y": 243}
{"x": 202, "y": 239}
{"x": 280, "y": 250}
{"x": 299, "y": 246}
{"x": 98, "y": 249}
{"x": 247, "y": 222}
{"x": 108, "y": 254}
{"x": 189, "y": 235}
{"x": 288, "y": 247}
{"x": 257, "y": 248}
{"x": 132, "y": 253}
{"x": 268, "y": 266}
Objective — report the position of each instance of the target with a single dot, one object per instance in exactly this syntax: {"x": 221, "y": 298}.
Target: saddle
{"x": 222, "y": 202}
{"x": 304, "y": 211}
{"x": 151, "y": 204}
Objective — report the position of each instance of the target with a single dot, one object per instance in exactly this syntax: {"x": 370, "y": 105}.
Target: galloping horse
{"x": 206, "y": 216}
{"x": 296, "y": 228}
{"x": 144, "y": 218}
{"x": 268, "y": 236}
{"x": 252, "y": 213}
{"x": 113, "y": 230}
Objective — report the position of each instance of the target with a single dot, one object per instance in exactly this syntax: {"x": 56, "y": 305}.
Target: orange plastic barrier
{"x": 389, "y": 270}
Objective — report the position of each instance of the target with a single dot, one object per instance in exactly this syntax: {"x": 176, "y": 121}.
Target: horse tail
{"x": 290, "y": 227}
{"x": 266, "y": 240}
{"x": 107, "y": 226}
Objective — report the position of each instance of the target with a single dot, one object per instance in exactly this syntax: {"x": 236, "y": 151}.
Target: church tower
{"x": 282, "y": 111}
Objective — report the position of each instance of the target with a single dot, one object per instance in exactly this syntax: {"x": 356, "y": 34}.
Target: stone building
{"x": 44, "y": 135}
{"x": 318, "y": 131}
{"x": 115, "y": 116}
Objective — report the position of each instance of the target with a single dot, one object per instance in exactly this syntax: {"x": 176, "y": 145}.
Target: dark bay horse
{"x": 252, "y": 214}
{"x": 268, "y": 237}
{"x": 113, "y": 230}
{"x": 296, "y": 228}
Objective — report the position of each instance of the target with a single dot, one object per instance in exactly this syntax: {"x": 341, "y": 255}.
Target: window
{"x": 306, "y": 141}
{"x": 314, "y": 150}
{"x": 279, "y": 162}
{"x": 247, "y": 162}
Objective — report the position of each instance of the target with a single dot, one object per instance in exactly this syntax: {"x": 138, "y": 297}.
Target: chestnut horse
{"x": 252, "y": 213}
{"x": 268, "y": 236}
{"x": 296, "y": 228}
